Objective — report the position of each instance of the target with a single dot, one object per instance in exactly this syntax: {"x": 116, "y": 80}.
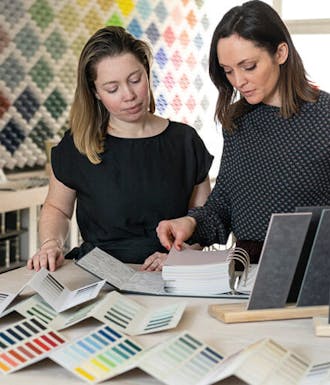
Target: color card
{"x": 25, "y": 343}
{"x": 35, "y": 306}
{"x": 124, "y": 314}
{"x": 161, "y": 318}
{"x": 99, "y": 355}
{"x": 132, "y": 318}
{"x": 182, "y": 360}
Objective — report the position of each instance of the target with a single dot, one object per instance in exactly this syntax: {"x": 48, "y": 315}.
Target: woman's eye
{"x": 135, "y": 80}
{"x": 250, "y": 68}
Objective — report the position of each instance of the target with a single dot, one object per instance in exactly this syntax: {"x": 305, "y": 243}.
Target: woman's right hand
{"x": 50, "y": 257}
{"x": 175, "y": 231}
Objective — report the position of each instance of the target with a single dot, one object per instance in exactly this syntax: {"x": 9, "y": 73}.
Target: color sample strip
{"x": 318, "y": 373}
{"x": 99, "y": 355}
{"x": 161, "y": 318}
{"x": 26, "y": 342}
{"x": 134, "y": 319}
{"x": 268, "y": 359}
{"x": 36, "y": 307}
{"x": 5, "y": 300}
{"x": 122, "y": 311}
{"x": 182, "y": 360}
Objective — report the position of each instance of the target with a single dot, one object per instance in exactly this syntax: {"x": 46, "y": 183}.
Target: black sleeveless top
{"x": 139, "y": 182}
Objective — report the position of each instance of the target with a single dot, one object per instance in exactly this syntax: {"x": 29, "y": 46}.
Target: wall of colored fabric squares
{"x": 40, "y": 41}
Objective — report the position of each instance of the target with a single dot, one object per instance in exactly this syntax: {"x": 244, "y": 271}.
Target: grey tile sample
{"x": 305, "y": 253}
{"x": 316, "y": 283}
{"x": 279, "y": 257}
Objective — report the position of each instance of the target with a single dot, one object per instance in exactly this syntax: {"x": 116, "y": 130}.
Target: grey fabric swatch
{"x": 279, "y": 257}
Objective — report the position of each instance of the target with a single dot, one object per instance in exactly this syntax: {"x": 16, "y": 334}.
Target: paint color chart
{"x": 318, "y": 374}
{"x": 36, "y": 307}
{"x": 182, "y": 360}
{"x": 59, "y": 296}
{"x": 134, "y": 319}
{"x": 124, "y": 314}
{"x": 99, "y": 355}
{"x": 264, "y": 362}
{"x": 25, "y": 343}
{"x": 50, "y": 289}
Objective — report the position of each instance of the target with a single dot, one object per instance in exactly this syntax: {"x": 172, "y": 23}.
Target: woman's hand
{"x": 175, "y": 231}
{"x": 50, "y": 256}
{"x": 154, "y": 262}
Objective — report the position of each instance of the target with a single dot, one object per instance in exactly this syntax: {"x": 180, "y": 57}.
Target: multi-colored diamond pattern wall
{"x": 40, "y": 42}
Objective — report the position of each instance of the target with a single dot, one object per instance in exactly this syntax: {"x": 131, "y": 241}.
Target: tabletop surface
{"x": 296, "y": 335}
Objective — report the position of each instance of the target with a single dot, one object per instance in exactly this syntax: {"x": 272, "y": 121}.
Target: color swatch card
{"x": 11, "y": 287}
{"x": 25, "y": 343}
{"x": 182, "y": 360}
{"x": 36, "y": 306}
{"x": 264, "y": 362}
{"x": 318, "y": 374}
{"x": 99, "y": 355}
{"x": 124, "y": 314}
{"x": 81, "y": 287}
{"x": 59, "y": 296}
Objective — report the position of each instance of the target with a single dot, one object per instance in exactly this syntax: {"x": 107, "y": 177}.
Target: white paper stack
{"x": 208, "y": 272}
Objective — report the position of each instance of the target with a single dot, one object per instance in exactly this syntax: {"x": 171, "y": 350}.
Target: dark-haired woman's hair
{"x": 259, "y": 23}
{"x": 88, "y": 117}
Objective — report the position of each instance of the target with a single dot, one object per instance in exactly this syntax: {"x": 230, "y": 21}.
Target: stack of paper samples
{"x": 209, "y": 272}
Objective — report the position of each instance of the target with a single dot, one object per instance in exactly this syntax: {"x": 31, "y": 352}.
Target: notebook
{"x": 126, "y": 279}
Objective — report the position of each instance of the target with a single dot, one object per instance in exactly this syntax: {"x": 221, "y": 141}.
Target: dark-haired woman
{"x": 276, "y": 129}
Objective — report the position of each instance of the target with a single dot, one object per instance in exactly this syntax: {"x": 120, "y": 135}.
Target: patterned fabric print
{"x": 269, "y": 165}
{"x": 40, "y": 42}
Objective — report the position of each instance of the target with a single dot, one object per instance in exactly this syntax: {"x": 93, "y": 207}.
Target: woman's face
{"x": 251, "y": 70}
{"x": 123, "y": 87}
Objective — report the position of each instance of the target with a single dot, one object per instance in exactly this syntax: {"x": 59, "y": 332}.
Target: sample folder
{"x": 209, "y": 272}
{"x": 127, "y": 279}
{"x": 49, "y": 286}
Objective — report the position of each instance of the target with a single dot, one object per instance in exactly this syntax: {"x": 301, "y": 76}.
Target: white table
{"x": 296, "y": 335}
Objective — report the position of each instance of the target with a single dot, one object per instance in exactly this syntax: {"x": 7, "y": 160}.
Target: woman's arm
{"x": 200, "y": 193}
{"x": 54, "y": 223}
{"x": 198, "y": 197}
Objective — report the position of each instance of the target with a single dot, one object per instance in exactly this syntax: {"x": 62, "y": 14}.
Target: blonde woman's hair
{"x": 88, "y": 117}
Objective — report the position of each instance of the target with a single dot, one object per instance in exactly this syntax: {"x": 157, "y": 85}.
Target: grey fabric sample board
{"x": 305, "y": 253}
{"x": 279, "y": 257}
{"x": 316, "y": 283}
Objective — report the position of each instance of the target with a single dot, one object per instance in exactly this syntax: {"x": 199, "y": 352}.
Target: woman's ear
{"x": 282, "y": 53}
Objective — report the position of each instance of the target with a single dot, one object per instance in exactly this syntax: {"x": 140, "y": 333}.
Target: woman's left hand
{"x": 154, "y": 262}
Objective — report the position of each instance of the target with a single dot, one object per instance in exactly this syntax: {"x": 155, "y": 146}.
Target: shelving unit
{"x": 20, "y": 241}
